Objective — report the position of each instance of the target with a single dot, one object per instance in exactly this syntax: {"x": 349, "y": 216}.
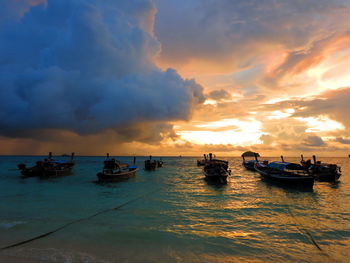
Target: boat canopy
{"x": 59, "y": 161}
{"x": 285, "y": 165}
{"x": 250, "y": 154}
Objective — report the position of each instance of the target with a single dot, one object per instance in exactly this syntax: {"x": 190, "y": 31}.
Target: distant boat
{"x": 160, "y": 163}
{"x": 203, "y": 161}
{"x": 151, "y": 165}
{"x": 287, "y": 174}
{"x": 114, "y": 170}
{"x": 48, "y": 167}
{"x": 216, "y": 170}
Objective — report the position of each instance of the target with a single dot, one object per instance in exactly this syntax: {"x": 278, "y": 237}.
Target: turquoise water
{"x": 173, "y": 215}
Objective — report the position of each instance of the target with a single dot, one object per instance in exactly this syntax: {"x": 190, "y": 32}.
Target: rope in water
{"x": 303, "y": 230}
{"x": 78, "y": 220}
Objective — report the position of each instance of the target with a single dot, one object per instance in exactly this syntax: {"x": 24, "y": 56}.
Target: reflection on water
{"x": 179, "y": 216}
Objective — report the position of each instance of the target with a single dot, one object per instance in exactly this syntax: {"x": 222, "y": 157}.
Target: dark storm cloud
{"x": 86, "y": 66}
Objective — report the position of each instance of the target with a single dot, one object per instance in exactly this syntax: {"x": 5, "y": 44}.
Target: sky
{"x": 175, "y": 77}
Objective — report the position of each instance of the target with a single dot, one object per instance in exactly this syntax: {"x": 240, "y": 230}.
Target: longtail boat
{"x": 151, "y": 165}
{"x": 284, "y": 173}
{"x": 323, "y": 172}
{"x": 249, "y": 165}
{"x": 113, "y": 170}
{"x": 216, "y": 170}
{"x": 48, "y": 167}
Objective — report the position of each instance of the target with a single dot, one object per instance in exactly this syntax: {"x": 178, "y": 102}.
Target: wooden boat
{"x": 249, "y": 165}
{"x": 286, "y": 174}
{"x": 151, "y": 165}
{"x": 216, "y": 170}
{"x": 48, "y": 167}
{"x": 323, "y": 172}
{"x": 114, "y": 171}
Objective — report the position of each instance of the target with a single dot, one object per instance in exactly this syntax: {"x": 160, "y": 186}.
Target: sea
{"x": 170, "y": 215}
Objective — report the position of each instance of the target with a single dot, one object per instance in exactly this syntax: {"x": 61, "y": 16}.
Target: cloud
{"x": 219, "y": 95}
{"x": 267, "y": 139}
{"x": 221, "y": 31}
{"x": 342, "y": 140}
{"x": 275, "y": 49}
{"x": 86, "y": 67}
{"x": 333, "y": 103}
{"x": 313, "y": 140}
{"x": 13, "y": 10}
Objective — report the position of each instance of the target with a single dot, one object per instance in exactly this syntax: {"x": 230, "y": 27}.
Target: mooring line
{"x": 305, "y": 231}
{"x": 78, "y": 220}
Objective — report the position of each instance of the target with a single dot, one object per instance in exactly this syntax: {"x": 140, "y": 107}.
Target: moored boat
{"x": 323, "y": 172}
{"x": 249, "y": 165}
{"x": 113, "y": 170}
{"x": 151, "y": 165}
{"x": 285, "y": 174}
{"x": 216, "y": 170}
{"x": 48, "y": 167}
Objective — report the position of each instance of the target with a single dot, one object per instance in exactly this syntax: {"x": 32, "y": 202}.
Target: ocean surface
{"x": 170, "y": 215}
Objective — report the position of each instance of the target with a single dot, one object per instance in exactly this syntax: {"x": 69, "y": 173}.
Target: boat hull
{"x": 327, "y": 177}
{"x": 117, "y": 176}
{"x": 285, "y": 178}
{"x": 216, "y": 170}
{"x": 42, "y": 172}
{"x": 150, "y": 165}
{"x": 249, "y": 165}
{"x": 326, "y": 173}
{"x": 219, "y": 178}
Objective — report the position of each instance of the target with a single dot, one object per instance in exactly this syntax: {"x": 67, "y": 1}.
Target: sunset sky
{"x": 175, "y": 77}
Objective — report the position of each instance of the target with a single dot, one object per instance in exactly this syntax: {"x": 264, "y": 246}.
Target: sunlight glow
{"x": 248, "y": 133}
{"x": 321, "y": 124}
{"x": 276, "y": 115}
{"x": 210, "y": 102}
{"x": 333, "y": 73}
{"x": 276, "y": 100}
